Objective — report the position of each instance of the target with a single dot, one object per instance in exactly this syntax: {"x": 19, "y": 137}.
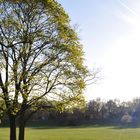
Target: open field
{"x": 78, "y": 133}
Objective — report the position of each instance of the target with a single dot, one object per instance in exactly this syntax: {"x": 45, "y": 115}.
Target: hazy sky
{"x": 110, "y": 33}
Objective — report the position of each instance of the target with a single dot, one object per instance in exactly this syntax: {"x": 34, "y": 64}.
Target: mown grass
{"x": 77, "y": 133}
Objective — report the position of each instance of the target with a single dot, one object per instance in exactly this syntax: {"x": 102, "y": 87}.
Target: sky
{"x": 110, "y": 33}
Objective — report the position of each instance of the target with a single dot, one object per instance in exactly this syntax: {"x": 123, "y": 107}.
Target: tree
{"x": 40, "y": 57}
{"x": 126, "y": 118}
{"x": 112, "y": 109}
{"x": 93, "y": 110}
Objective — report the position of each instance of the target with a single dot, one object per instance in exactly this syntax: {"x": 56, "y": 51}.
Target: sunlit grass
{"x": 79, "y": 133}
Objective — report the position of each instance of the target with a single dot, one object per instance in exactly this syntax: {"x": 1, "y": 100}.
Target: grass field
{"x": 78, "y": 133}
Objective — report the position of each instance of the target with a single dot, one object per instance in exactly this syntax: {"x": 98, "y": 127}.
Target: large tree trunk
{"x": 22, "y": 123}
{"x": 12, "y": 127}
{"x": 21, "y": 132}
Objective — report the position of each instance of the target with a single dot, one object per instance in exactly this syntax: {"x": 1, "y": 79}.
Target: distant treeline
{"x": 95, "y": 111}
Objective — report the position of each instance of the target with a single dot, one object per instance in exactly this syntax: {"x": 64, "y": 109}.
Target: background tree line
{"x": 94, "y": 111}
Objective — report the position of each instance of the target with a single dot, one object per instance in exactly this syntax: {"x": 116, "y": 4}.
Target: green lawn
{"x": 79, "y": 133}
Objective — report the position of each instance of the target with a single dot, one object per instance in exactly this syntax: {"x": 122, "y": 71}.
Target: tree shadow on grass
{"x": 127, "y": 126}
{"x": 54, "y": 125}
{"x": 71, "y": 127}
{"x": 117, "y": 127}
